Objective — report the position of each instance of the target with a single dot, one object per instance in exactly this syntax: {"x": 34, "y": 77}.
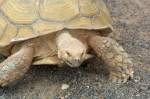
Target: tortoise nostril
{"x": 77, "y": 61}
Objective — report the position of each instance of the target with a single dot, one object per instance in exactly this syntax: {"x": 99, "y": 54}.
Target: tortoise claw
{"x": 122, "y": 78}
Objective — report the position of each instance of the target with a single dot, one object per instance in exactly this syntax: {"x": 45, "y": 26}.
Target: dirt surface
{"x": 132, "y": 30}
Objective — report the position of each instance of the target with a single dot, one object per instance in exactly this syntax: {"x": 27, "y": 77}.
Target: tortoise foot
{"x": 118, "y": 62}
{"x": 15, "y": 66}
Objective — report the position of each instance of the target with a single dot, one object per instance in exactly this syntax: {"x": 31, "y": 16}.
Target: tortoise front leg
{"x": 15, "y": 66}
{"x": 119, "y": 64}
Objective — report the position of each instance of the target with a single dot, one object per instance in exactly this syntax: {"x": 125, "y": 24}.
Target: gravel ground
{"x": 132, "y": 30}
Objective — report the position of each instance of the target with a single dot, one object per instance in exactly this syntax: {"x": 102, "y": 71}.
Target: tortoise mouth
{"x": 73, "y": 63}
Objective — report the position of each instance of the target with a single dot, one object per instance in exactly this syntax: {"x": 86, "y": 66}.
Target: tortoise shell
{"x": 25, "y": 19}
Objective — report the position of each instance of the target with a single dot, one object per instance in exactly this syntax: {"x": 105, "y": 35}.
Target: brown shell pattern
{"x": 25, "y": 19}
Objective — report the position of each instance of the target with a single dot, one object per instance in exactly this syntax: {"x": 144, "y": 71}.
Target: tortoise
{"x": 38, "y": 32}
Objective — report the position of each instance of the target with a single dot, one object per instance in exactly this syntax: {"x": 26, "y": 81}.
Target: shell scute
{"x": 88, "y": 7}
{"x": 7, "y": 36}
{"x": 20, "y": 11}
{"x": 44, "y": 27}
{"x": 23, "y": 34}
{"x": 26, "y": 19}
{"x": 3, "y": 24}
{"x": 59, "y": 10}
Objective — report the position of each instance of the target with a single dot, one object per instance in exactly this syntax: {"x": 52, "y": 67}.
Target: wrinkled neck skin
{"x": 70, "y": 50}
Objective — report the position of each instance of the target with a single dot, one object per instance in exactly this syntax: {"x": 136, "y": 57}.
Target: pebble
{"x": 64, "y": 86}
{"x": 137, "y": 94}
{"x": 137, "y": 79}
{"x": 87, "y": 86}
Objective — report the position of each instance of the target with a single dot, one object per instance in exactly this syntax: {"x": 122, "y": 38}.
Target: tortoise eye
{"x": 68, "y": 54}
{"x": 82, "y": 54}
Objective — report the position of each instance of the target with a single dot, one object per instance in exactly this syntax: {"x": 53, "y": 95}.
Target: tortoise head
{"x": 71, "y": 51}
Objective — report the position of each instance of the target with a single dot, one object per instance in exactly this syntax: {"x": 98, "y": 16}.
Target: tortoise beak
{"x": 74, "y": 63}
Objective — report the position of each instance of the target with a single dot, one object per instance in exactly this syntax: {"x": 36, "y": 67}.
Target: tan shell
{"x": 25, "y": 19}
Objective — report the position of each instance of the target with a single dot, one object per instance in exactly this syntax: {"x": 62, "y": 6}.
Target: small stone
{"x": 137, "y": 94}
{"x": 66, "y": 96}
{"x": 140, "y": 56}
{"x": 144, "y": 88}
{"x": 137, "y": 79}
{"x": 64, "y": 86}
{"x": 87, "y": 86}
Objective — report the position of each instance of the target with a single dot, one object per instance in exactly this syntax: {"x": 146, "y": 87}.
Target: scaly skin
{"x": 15, "y": 66}
{"x": 119, "y": 64}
